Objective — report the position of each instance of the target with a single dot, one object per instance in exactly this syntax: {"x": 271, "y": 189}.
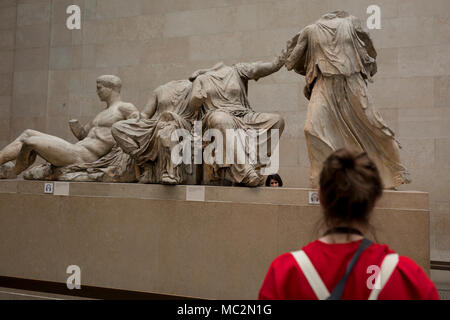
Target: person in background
{"x": 343, "y": 264}
{"x": 274, "y": 180}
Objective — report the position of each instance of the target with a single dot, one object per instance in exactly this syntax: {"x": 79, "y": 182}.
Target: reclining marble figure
{"x": 337, "y": 58}
{"x": 64, "y": 158}
{"x": 221, "y": 94}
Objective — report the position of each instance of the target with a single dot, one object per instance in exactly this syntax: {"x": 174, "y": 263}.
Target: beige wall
{"x": 47, "y": 72}
{"x": 150, "y": 238}
{"x": 7, "y": 42}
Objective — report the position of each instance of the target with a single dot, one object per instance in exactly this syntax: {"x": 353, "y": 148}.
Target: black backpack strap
{"x": 339, "y": 289}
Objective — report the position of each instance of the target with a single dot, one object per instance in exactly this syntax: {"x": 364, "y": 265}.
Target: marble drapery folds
{"x": 225, "y": 105}
{"x": 337, "y": 58}
{"x": 149, "y": 142}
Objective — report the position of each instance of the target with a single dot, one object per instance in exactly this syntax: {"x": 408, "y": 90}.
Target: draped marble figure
{"x": 149, "y": 140}
{"x": 221, "y": 94}
{"x": 337, "y": 58}
{"x": 95, "y": 149}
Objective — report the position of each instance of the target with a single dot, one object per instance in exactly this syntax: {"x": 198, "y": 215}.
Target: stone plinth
{"x": 150, "y": 238}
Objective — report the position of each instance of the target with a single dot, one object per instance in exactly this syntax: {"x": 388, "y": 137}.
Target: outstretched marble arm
{"x": 263, "y": 69}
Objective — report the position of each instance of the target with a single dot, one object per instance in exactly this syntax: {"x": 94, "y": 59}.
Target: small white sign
{"x": 313, "y": 197}
{"x": 195, "y": 193}
{"x": 61, "y": 188}
{"x": 48, "y": 188}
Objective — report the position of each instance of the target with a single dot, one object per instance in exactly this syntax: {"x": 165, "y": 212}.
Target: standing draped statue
{"x": 337, "y": 58}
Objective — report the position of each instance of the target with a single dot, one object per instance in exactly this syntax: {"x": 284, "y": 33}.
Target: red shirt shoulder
{"x": 286, "y": 281}
{"x": 409, "y": 282}
{"x": 282, "y": 274}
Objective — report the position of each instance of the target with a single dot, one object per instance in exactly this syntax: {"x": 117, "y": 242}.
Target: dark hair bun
{"x": 347, "y": 160}
{"x": 349, "y": 186}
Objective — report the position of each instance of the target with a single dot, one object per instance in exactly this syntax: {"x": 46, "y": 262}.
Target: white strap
{"x": 387, "y": 268}
{"x": 311, "y": 275}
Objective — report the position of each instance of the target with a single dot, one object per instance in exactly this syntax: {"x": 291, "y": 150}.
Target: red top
{"x": 286, "y": 281}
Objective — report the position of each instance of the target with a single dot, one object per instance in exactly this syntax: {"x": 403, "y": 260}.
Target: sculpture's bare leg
{"x": 53, "y": 149}
{"x": 11, "y": 151}
{"x": 26, "y": 158}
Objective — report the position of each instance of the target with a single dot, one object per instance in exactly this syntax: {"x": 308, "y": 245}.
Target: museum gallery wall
{"x": 48, "y": 73}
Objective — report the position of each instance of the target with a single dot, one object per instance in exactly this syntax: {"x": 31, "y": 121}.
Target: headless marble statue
{"x": 337, "y": 58}
{"x": 221, "y": 94}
